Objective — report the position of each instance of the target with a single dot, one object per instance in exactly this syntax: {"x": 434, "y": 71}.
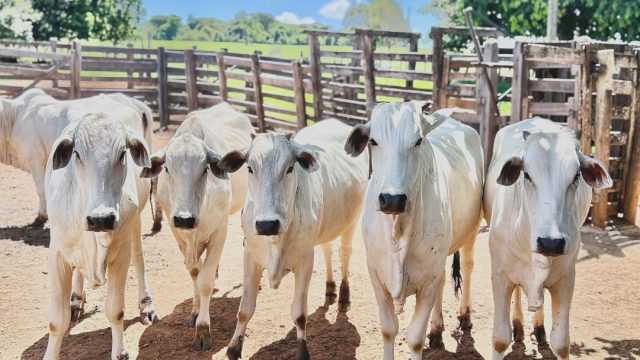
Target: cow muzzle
{"x": 551, "y": 246}
{"x": 267, "y": 227}
{"x": 184, "y": 222}
{"x": 392, "y": 204}
{"x": 101, "y": 222}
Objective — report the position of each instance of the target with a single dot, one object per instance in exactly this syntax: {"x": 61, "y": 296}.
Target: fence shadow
{"x": 29, "y": 234}
{"x": 610, "y": 241}
{"x": 171, "y": 338}
{"x": 621, "y": 349}
{"x": 465, "y": 350}
{"x": 324, "y": 339}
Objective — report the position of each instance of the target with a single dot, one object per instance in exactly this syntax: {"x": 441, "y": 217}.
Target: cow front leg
{"x": 78, "y": 298}
{"x": 538, "y": 327}
{"x": 517, "y": 316}
{"x": 145, "y": 301}
{"x": 437, "y": 322}
{"x": 330, "y": 295}
{"x": 344, "y": 301}
{"x": 60, "y": 274}
{"x": 466, "y": 265}
{"x": 206, "y": 283}
{"x": 114, "y": 306}
{"x": 561, "y": 295}
{"x": 299, "y": 304}
{"x": 502, "y": 291}
{"x": 388, "y": 317}
{"x": 416, "y": 331}
{"x": 251, "y": 283}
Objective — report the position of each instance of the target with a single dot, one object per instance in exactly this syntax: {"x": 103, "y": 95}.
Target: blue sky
{"x": 300, "y": 11}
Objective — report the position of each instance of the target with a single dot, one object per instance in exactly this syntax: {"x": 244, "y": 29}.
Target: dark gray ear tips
{"x": 426, "y": 108}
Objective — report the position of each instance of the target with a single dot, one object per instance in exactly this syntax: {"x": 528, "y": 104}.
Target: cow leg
{"x": 388, "y": 317}
{"x": 561, "y": 295}
{"x": 195, "y": 306}
{"x": 344, "y": 301}
{"x": 466, "y": 265}
{"x": 330, "y": 292}
{"x": 502, "y": 291}
{"x": 37, "y": 173}
{"x": 299, "y": 304}
{"x": 437, "y": 322}
{"x": 60, "y": 274}
{"x": 145, "y": 302}
{"x": 206, "y": 283}
{"x": 114, "y": 307}
{"x": 417, "y": 329}
{"x": 157, "y": 213}
{"x": 252, "y": 275}
{"x": 78, "y": 298}
{"x": 517, "y": 316}
{"x": 538, "y": 327}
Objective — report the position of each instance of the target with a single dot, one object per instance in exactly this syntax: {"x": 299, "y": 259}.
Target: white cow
{"x": 302, "y": 192}
{"x": 95, "y": 197}
{"x": 424, "y": 202}
{"x": 536, "y": 199}
{"x": 197, "y": 202}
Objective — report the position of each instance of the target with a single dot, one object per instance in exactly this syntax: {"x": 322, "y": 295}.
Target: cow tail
{"x": 455, "y": 273}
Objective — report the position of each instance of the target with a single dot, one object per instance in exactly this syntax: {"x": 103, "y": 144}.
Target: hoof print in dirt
{"x": 465, "y": 322}
{"x": 518, "y": 331}
{"x": 303, "y": 352}
{"x": 203, "y": 338}
{"x": 435, "y": 340}
{"x": 540, "y": 334}
{"x": 234, "y": 350}
{"x": 330, "y": 293}
{"x": 192, "y": 320}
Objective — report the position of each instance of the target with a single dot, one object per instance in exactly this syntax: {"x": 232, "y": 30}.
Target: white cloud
{"x": 335, "y": 9}
{"x": 288, "y": 17}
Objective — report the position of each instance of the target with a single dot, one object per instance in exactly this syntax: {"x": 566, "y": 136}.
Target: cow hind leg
{"x": 330, "y": 292}
{"x": 251, "y": 283}
{"x": 344, "y": 301}
{"x": 38, "y": 173}
{"x": 145, "y": 301}
{"x": 466, "y": 265}
{"x": 60, "y": 275}
{"x": 78, "y": 298}
{"x": 437, "y": 322}
{"x": 299, "y": 305}
{"x": 157, "y": 209}
{"x": 517, "y": 316}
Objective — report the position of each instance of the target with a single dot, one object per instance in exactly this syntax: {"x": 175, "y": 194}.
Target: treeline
{"x": 244, "y": 27}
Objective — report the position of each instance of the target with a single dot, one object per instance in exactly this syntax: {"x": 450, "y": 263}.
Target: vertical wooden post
{"x": 257, "y": 88}
{"x": 631, "y": 194}
{"x": 163, "y": 100}
{"x": 222, "y": 76}
{"x": 191, "y": 79}
{"x": 53, "y": 44}
{"x": 604, "y": 94}
{"x": 75, "y": 70}
{"x": 316, "y": 75}
{"x": 436, "y": 67}
{"x": 484, "y": 110}
{"x": 413, "y": 47}
{"x": 368, "y": 65}
{"x": 129, "y": 70}
{"x": 298, "y": 92}
{"x": 520, "y": 93}
{"x": 586, "y": 94}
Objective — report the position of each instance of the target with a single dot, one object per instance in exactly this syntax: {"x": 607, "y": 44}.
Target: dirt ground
{"x": 605, "y": 317}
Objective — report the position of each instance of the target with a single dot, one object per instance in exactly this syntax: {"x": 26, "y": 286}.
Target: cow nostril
{"x": 382, "y": 199}
{"x": 551, "y": 246}
{"x": 392, "y": 204}
{"x": 90, "y": 221}
{"x": 184, "y": 222}
{"x": 267, "y": 227}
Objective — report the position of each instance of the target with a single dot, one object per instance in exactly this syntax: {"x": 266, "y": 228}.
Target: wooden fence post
{"x": 436, "y": 67}
{"x": 191, "y": 79}
{"x": 316, "y": 75}
{"x": 485, "y": 111}
{"x": 519, "y": 94}
{"x": 222, "y": 76}
{"x": 367, "y": 39}
{"x": 163, "y": 100}
{"x": 586, "y": 93}
{"x": 257, "y": 88}
{"x": 413, "y": 47}
{"x": 631, "y": 194}
{"x": 298, "y": 92}
{"x": 53, "y": 44}
{"x": 129, "y": 70}
{"x": 604, "y": 94}
{"x": 75, "y": 70}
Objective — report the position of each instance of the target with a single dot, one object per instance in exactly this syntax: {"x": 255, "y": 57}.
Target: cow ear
{"x": 510, "y": 171}
{"x": 63, "y": 152}
{"x": 593, "y": 173}
{"x": 308, "y": 160}
{"x": 157, "y": 162}
{"x": 432, "y": 121}
{"x": 138, "y": 149}
{"x": 232, "y": 161}
{"x": 213, "y": 159}
{"x": 357, "y": 140}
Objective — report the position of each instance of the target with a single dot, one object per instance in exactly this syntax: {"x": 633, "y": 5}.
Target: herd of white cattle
{"x": 415, "y": 178}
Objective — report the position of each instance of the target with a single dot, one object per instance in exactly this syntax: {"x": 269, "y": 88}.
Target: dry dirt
{"x": 605, "y": 317}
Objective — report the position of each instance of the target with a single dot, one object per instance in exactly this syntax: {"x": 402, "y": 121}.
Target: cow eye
{"x": 290, "y": 170}
{"x": 526, "y": 176}
{"x": 373, "y": 142}
{"x": 250, "y": 169}
{"x": 166, "y": 169}
{"x": 418, "y": 142}
{"x": 124, "y": 152}
{"x": 206, "y": 168}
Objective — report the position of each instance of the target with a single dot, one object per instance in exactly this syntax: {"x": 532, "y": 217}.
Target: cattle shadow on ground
{"x": 541, "y": 352}
{"x": 610, "y": 241}
{"x": 29, "y": 234}
{"x": 324, "y": 339}
{"x": 84, "y": 346}
{"x": 621, "y": 349}
{"x": 464, "y": 351}
{"x": 171, "y": 338}
{"x": 581, "y": 349}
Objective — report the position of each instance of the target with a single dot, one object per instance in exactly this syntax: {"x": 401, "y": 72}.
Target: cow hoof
{"x": 344, "y": 303}
{"x": 435, "y": 340}
{"x": 147, "y": 311}
{"x": 540, "y": 334}
{"x": 157, "y": 226}
{"x": 518, "y": 331}
{"x": 303, "y": 351}
{"x": 203, "y": 338}
{"x": 192, "y": 320}
{"x": 124, "y": 355}
{"x": 330, "y": 293}
{"x": 76, "y": 313}
{"x": 234, "y": 349}
{"x": 39, "y": 221}
{"x": 344, "y": 306}
{"x": 465, "y": 322}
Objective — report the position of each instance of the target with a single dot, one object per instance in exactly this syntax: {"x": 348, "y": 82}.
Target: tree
{"x": 376, "y": 15}
{"x": 165, "y": 27}
{"x": 16, "y": 19}
{"x": 112, "y": 20}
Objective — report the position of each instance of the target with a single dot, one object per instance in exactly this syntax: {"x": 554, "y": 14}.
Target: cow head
{"x": 274, "y": 163}
{"x": 185, "y": 164}
{"x": 550, "y": 171}
{"x": 100, "y": 150}
{"x": 396, "y": 134}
